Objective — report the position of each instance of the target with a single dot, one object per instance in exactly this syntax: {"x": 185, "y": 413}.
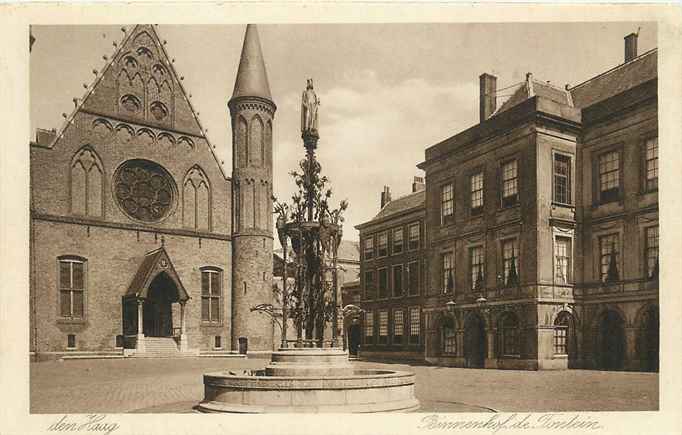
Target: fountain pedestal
{"x": 310, "y": 380}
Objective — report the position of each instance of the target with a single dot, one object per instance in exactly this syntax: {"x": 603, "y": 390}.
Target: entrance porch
{"x": 154, "y": 309}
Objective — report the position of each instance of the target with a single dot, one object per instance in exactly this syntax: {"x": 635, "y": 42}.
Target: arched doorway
{"x": 474, "y": 341}
{"x": 610, "y": 341}
{"x": 158, "y": 312}
{"x": 649, "y": 340}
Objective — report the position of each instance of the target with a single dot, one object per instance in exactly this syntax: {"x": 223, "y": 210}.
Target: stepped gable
{"x": 139, "y": 84}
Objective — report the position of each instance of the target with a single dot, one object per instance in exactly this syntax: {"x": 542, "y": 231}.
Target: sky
{"x": 387, "y": 91}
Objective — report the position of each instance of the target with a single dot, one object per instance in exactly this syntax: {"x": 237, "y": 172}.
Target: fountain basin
{"x": 364, "y": 391}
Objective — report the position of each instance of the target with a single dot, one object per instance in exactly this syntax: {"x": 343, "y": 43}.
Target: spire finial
{"x": 252, "y": 78}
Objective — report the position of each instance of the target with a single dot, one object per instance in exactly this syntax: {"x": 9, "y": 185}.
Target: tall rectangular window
{"x": 447, "y": 204}
{"x": 413, "y": 278}
{"x": 383, "y": 283}
{"x": 609, "y": 176}
{"x": 398, "y": 280}
{"x": 562, "y": 179}
{"x": 652, "y": 164}
{"x": 368, "y": 248}
{"x": 382, "y": 245}
{"x": 383, "y": 327}
{"x": 652, "y": 252}
{"x": 560, "y": 334}
{"x": 510, "y": 183}
{"x": 562, "y": 260}
{"x": 510, "y": 260}
{"x": 398, "y": 326}
{"x": 71, "y": 288}
{"x": 414, "y": 237}
{"x": 609, "y": 256}
{"x": 414, "y": 325}
{"x": 448, "y": 270}
{"x": 370, "y": 290}
{"x": 476, "y": 182}
{"x": 398, "y": 240}
{"x": 476, "y": 269}
{"x": 210, "y": 295}
{"x": 369, "y": 327}
{"x": 449, "y": 340}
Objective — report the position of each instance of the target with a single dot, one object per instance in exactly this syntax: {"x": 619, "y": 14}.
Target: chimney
{"x": 45, "y": 137}
{"x": 488, "y": 94}
{"x": 631, "y": 46}
{"x": 418, "y": 184}
{"x": 385, "y": 196}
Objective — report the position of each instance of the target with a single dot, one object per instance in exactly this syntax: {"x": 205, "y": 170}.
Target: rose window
{"x": 144, "y": 190}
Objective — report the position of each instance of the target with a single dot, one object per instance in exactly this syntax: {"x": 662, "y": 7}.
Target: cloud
{"x": 373, "y": 133}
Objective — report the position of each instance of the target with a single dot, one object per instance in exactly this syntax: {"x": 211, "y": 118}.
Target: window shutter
{"x": 642, "y": 167}
{"x": 498, "y": 183}
{"x": 519, "y": 179}
{"x": 595, "y": 180}
{"x": 621, "y": 178}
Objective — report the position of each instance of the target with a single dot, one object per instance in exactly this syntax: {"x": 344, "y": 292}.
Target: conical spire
{"x": 252, "y": 80}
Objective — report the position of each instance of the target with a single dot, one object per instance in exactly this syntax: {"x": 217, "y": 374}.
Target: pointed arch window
{"x": 256, "y": 141}
{"x": 196, "y": 200}
{"x": 267, "y": 147}
{"x": 86, "y": 183}
{"x": 242, "y": 142}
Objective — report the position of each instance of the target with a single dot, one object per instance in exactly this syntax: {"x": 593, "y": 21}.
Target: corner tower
{"x": 252, "y": 111}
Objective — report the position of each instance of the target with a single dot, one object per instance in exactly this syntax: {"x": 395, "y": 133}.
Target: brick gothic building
{"x": 541, "y": 228}
{"x": 392, "y": 268}
{"x": 138, "y": 238}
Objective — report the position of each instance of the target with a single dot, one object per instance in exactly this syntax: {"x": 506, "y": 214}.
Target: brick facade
{"x": 391, "y": 308}
{"x": 130, "y": 172}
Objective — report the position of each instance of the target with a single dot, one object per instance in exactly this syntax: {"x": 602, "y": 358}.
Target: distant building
{"x": 545, "y": 217}
{"x": 348, "y": 261}
{"x": 392, "y": 277}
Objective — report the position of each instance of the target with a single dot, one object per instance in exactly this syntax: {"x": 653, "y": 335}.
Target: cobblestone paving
{"x": 175, "y": 386}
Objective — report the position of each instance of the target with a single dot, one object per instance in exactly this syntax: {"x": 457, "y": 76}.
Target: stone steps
{"x": 159, "y": 347}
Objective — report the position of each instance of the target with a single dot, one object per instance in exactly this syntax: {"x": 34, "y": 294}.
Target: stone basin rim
{"x": 381, "y": 375}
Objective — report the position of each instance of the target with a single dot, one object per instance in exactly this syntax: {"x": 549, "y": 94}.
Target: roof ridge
{"x": 100, "y": 76}
{"x": 615, "y": 68}
{"x": 91, "y": 88}
{"x": 193, "y": 110}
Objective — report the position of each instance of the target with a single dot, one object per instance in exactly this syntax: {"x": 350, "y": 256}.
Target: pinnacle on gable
{"x": 252, "y": 78}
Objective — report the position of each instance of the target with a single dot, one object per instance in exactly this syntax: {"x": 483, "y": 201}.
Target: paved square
{"x": 176, "y": 385}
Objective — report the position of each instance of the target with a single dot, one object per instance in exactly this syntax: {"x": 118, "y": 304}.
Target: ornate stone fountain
{"x": 310, "y": 373}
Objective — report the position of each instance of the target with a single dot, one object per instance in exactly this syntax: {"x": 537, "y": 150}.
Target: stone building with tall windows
{"x": 140, "y": 242}
{"x": 542, "y": 227}
{"x": 392, "y": 277}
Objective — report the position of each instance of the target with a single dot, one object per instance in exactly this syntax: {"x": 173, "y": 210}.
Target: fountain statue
{"x": 312, "y": 372}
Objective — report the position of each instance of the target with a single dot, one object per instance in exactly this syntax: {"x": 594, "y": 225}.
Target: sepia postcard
{"x": 346, "y": 218}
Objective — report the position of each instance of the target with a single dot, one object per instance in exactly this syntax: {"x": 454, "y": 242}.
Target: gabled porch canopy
{"x": 153, "y": 264}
